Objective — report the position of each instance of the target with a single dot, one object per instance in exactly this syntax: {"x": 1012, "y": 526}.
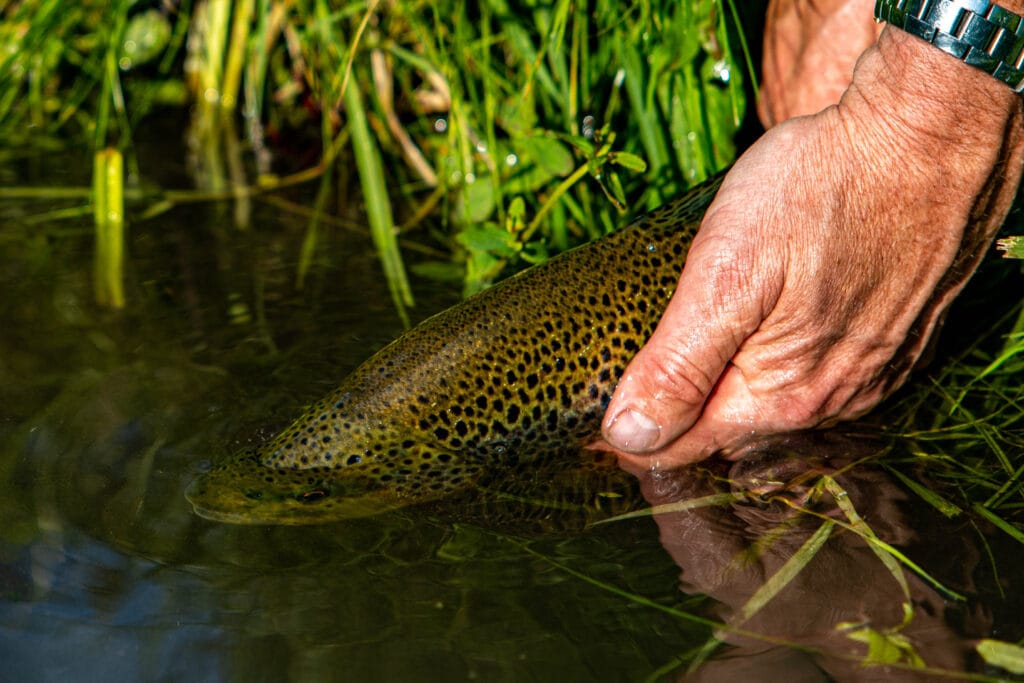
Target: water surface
{"x": 106, "y": 574}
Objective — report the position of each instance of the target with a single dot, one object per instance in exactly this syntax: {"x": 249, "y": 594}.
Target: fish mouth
{"x": 227, "y": 517}
{"x": 196, "y": 492}
{"x": 316, "y": 505}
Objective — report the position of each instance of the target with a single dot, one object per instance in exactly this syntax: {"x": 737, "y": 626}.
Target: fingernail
{"x": 634, "y": 432}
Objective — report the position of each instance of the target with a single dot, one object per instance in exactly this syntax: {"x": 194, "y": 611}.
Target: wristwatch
{"x": 977, "y": 32}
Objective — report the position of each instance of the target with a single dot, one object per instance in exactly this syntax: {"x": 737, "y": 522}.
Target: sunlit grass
{"x": 540, "y": 123}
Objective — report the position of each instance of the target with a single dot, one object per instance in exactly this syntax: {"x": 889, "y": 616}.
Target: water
{"x": 106, "y": 574}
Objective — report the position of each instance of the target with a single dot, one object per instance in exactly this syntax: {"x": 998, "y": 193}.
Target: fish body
{"x": 518, "y": 373}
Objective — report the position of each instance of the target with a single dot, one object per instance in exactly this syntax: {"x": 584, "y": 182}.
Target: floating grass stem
{"x": 788, "y": 571}
{"x": 1011, "y": 530}
{"x": 108, "y": 214}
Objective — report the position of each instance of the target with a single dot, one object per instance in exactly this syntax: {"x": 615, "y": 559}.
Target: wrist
{"x": 981, "y": 33}
{"x": 926, "y": 96}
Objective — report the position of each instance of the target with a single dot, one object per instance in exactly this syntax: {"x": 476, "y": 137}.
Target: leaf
{"x": 629, "y": 161}
{"x": 679, "y": 506}
{"x": 528, "y": 178}
{"x": 541, "y": 160}
{"x": 788, "y": 571}
{"x": 947, "y": 508}
{"x": 890, "y": 556}
{"x": 488, "y": 237}
{"x": 884, "y": 647}
{"x": 475, "y": 203}
{"x": 1012, "y": 247}
{"x": 145, "y": 38}
{"x": 481, "y": 269}
{"x": 548, "y": 153}
{"x": 1013, "y": 531}
{"x": 1005, "y": 655}
{"x": 857, "y": 523}
{"x": 515, "y": 219}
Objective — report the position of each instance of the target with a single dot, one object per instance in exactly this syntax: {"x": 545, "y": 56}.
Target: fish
{"x": 515, "y": 376}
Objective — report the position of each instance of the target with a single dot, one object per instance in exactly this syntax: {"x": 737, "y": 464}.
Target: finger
{"x": 731, "y": 415}
{"x": 715, "y": 308}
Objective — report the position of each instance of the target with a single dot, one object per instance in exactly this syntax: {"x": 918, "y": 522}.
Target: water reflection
{"x": 105, "y": 573}
{"x": 845, "y": 590}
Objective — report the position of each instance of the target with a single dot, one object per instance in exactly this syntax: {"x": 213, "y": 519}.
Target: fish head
{"x": 244, "y": 489}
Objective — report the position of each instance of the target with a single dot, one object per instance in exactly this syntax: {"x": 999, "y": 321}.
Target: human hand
{"x": 810, "y": 48}
{"x": 827, "y": 260}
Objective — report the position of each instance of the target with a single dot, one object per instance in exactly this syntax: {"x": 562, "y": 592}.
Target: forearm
{"x": 905, "y": 103}
{"x": 940, "y": 113}
{"x": 810, "y": 48}
{"x": 917, "y": 73}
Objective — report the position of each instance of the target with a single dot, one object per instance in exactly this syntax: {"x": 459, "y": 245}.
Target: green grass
{"x": 510, "y": 130}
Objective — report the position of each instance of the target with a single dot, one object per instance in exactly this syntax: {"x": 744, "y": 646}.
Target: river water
{"x": 106, "y": 573}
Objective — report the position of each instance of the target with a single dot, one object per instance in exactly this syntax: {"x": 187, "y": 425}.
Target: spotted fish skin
{"x": 516, "y": 373}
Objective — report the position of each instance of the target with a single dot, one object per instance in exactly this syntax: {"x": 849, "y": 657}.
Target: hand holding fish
{"x": 830, "y": 254}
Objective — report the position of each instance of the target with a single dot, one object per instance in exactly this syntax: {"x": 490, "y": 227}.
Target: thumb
{"x": 714, "y": 309}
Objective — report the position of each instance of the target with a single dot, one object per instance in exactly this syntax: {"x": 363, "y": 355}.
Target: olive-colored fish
{"x": 512, "y": 375}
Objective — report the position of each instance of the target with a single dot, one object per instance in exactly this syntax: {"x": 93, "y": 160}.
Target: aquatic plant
{"x": 519, "y": 128}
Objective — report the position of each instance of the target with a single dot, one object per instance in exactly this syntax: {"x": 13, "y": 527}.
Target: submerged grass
{"x": 889, "y": 648}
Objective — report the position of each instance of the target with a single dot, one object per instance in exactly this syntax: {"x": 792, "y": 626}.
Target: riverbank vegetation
{"x": 519, "y": 129}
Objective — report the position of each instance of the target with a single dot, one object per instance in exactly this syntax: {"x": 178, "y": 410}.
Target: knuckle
{"x": 732, "y": 276}
{"x": 676, "y": 378}
{"x": 813, "y": 401}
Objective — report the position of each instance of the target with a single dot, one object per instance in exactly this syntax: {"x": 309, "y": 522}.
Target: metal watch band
{"x": 977, "y": 32}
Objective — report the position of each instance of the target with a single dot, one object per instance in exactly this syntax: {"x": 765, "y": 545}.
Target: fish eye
{"x": 312, "y": 496}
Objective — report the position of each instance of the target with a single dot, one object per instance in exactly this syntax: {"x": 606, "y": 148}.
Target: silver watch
{"x": 977, "y": 32}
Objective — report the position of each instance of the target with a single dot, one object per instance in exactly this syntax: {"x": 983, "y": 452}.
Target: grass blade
{"x": 788, "y": 571}
{"x": 378, "y": 204}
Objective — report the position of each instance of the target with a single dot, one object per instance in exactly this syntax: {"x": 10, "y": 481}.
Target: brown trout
{"x": 519, "y": 373}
